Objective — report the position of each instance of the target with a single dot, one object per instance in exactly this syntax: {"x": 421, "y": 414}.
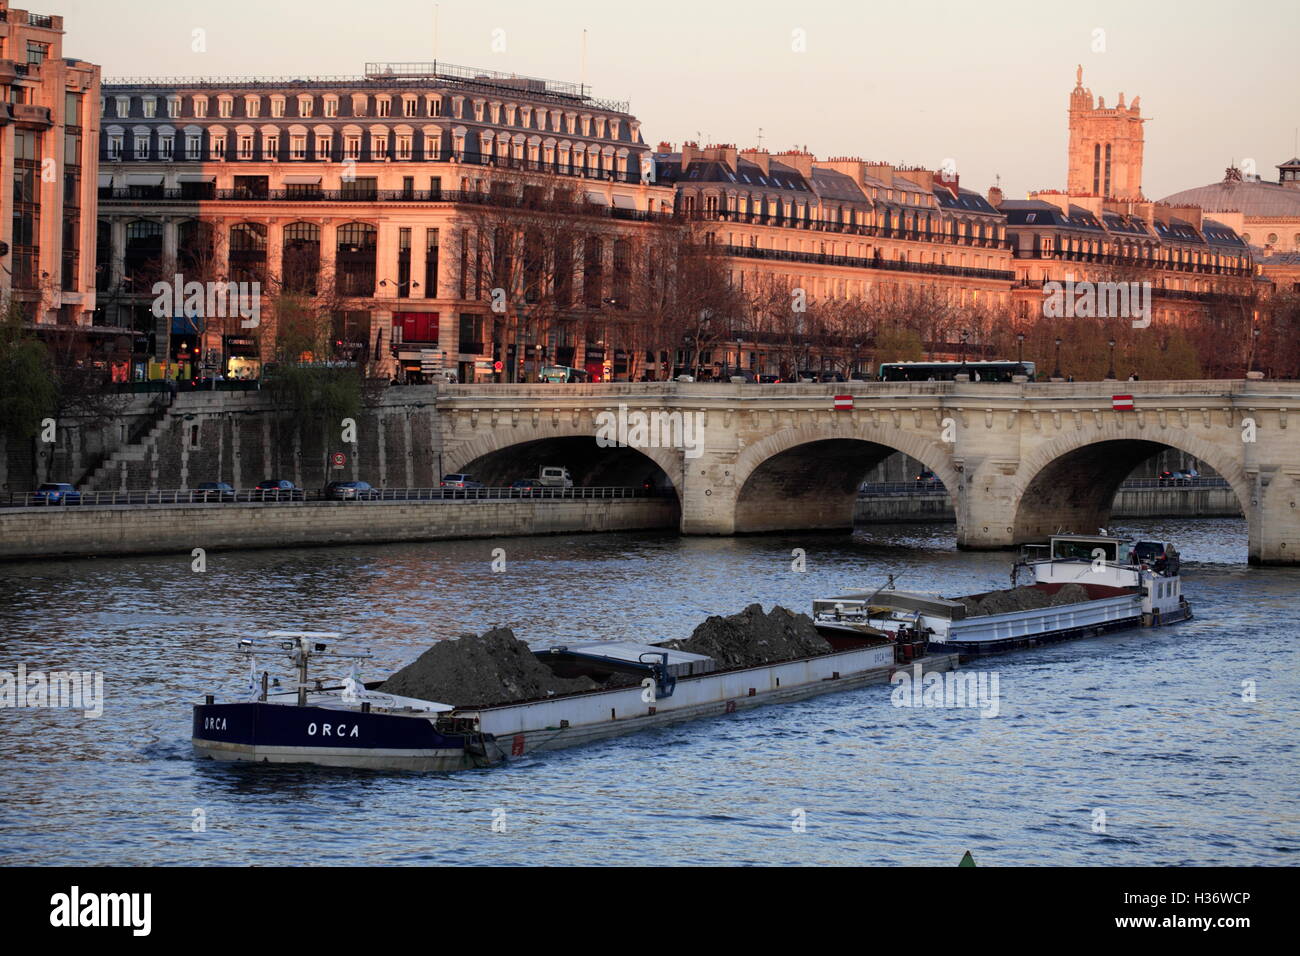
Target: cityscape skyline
{"x": 923, "y": 117}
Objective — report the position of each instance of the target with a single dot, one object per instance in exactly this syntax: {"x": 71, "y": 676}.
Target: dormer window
{"x": 331, "y": 106}
{"x": 150, "y": 104}
{"x": 383, "y": 105}
{"x": 252, "y": 105}
{"x": 305, "y": 102}
{"x": 277, "y": 107}
{"x": 173, "y": 106}
{"x": 359, "y": 104}
{"x": 225, "y": 106}
{"x": 123, "y": 106}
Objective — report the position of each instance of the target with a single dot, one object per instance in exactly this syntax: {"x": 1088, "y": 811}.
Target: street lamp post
{"x": 964, "y": 336}
{"x": 1254, "y": 371}
{"x": 1056, "y": 372}
{"x": 1110, "y": 373}
{"x": 1020, "y": 348}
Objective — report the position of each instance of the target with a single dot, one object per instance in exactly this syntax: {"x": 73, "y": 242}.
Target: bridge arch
{"x": 1070, "y": 482}
{"x": 500, "y": 456}
{"x": 807, "y": 477}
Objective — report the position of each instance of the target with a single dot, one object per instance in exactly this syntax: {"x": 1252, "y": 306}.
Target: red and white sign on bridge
{"x": 844, "y": 403}
{"x": 1122, "y": 403}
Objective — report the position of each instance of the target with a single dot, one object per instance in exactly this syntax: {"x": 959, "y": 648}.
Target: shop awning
{"x": 105, "y": 180}
{"x": 595, "y": 197}
{"x": 624, "y": 202}
{"x": 302, "y": 180}
{"x": 144, "y": 179}
{"x": 197, "y": 178}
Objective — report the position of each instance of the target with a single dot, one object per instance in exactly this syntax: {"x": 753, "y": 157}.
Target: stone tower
{"x": 1105, "y": 146}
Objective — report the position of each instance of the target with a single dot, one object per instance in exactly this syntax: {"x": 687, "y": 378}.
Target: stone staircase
{"x": 129, "y": 466}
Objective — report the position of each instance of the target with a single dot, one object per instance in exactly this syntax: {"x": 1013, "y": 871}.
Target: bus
{"x": 560, "y": 374}
{"x": 995, "y": 371}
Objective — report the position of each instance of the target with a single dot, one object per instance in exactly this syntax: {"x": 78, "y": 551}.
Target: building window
{"x": 362, "y": 187}
{"x": 404, "y": 263}
{"x": 252, "y": 106}
{"x": 404, "y": 141}
{"x": 193, "y": 144}
{"x": 300, "y": 263}
{"x": 246, "y": 147}
{"x": 115, "y": 145}
{"x": 431, "y": 264}
{"x": 351, "y": 147}
{"x": 166, "y": 146}
{"x": 324, "y": 146}
{"x": 37, "y": 52}
{"x": 173, "y": 106}
{"x": 298, "y": 146}
{"x": 270, "y": 146}
{"x": 383, "y": 105}
{"x": 304, "y": 105}
{"x": 277, "y": 107}
{"x": 200, "y": 107}
{"x": 247, "y": 252}
{"x": 331, "y": 106}
{"x": 225, "y": 107}
{"x": 410, "y": 106}
{"x": 140, "y": 138}
{"x": 150, "y": 104}
{"x": 378, "y": 145}
{"x": 355, "y": 259}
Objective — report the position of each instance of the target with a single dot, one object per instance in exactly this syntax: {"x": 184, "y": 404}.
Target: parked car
{"x": 769, "y": 379}
{"x": 277, "y": 489}
{"x": 1174, "y": 478}
{"x": 528, "y": 486}
{"x": 56, "y": 493}
{"x": 459, "y": 481}
{"x": 555, "y": 476}
{"x": 927, "y": 477}
{"x": 349, "y": 491}
{"x": 214, "y": 491}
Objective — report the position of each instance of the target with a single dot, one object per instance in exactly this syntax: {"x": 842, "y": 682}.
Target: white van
{"x": 556, "y": 477}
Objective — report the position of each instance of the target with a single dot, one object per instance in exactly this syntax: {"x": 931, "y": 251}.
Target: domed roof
{"x": 1251, "y": 199}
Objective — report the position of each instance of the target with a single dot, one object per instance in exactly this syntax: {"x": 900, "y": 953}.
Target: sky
{"x": 912, "y": 83}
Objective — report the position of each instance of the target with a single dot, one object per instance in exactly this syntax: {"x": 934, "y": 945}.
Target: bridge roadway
{"x": 1020, "y": 460}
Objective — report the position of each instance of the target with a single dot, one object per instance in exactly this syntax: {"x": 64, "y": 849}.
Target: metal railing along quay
{"x": 936, "y": 488}
{"x": 90, "y": 499}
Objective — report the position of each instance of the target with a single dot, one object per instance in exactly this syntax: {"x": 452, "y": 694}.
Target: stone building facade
{"x": 49, "y": 133}
{"x": 378, "y": 182}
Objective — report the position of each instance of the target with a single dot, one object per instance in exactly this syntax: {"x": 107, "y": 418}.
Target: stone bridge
{"x": 1020, "y": 460}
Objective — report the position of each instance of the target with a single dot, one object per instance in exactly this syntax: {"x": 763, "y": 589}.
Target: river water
{"x": 1134, "y": 748}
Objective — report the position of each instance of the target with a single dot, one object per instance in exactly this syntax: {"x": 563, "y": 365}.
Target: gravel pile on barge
{"x": 1022, "y": 599}
{"x": 481, "y": 670}
{"x": 751, "y": 638}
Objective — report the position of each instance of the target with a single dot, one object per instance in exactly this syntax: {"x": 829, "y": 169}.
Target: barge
{"x": 1113, "y": 583}
{"x": 346, "y": 723}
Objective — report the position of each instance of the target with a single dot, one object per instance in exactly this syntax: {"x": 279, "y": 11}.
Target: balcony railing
{"x": 1157, "y": 290}
{"x": 859, "y": 262}
{"x": 844, "y": 228}
{"x": 1133, "y": 262}
{"x": 464, "y": 159}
